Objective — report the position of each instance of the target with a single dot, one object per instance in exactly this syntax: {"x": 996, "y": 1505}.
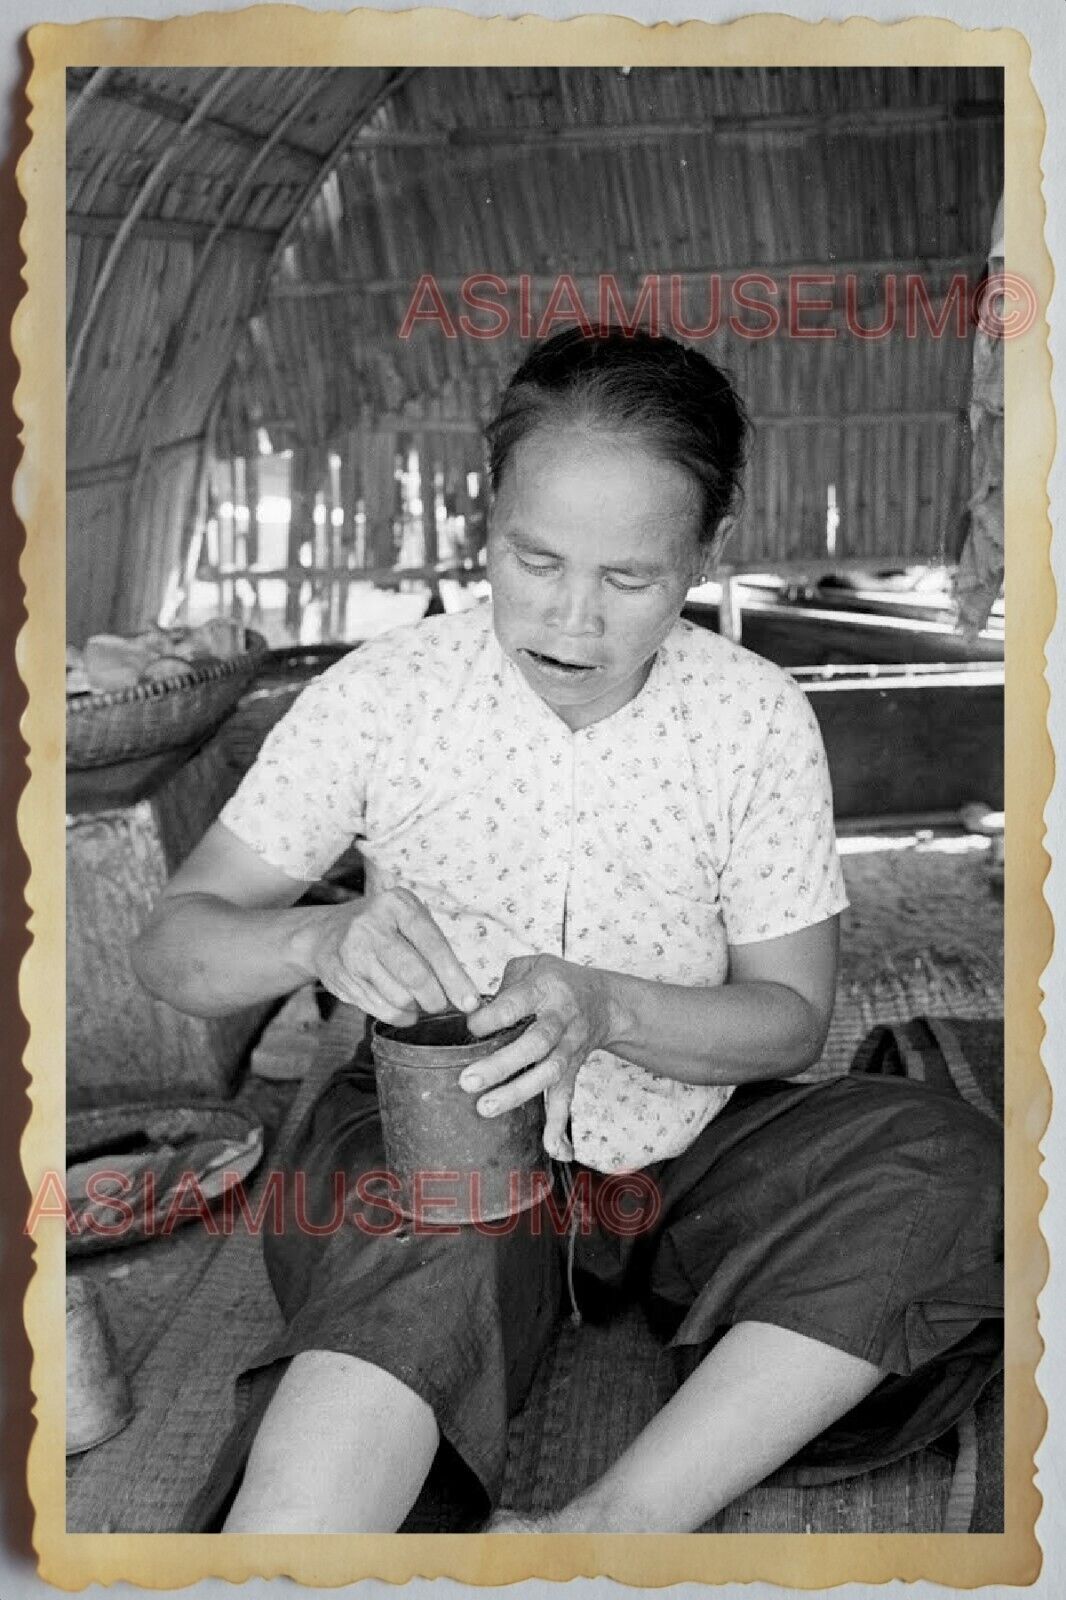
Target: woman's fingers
{"x": 531, "y": 1047}
{"x": 516, "y": 1000}
{"x": 392, "y": 944}
{"x": 406, "y": 969}
{"x": 396, "y": 991}
{"x": 523, "y": 1088}
{"x": 380, "y": 994}
{"x": 358, "y": 992}
{"x": 421, "y": 932}
{"x": 557, "y": 1102}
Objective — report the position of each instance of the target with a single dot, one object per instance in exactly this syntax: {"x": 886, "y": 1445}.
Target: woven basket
{"x": 150, "y": 718}
{"x": 177, "y": 1138}
{"x": 282, "y": 675}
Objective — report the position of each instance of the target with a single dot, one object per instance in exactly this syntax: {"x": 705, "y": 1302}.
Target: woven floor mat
{"x": 599, "y": 1386}
{"x": 183, "y": 1400}
{"x": 594, "y": 1391}
{"x": 222, "y": 1307}
{"x": 926, "y": 982}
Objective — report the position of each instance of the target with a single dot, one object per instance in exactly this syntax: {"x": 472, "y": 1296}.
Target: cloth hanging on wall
{"x": 979, "y": 577}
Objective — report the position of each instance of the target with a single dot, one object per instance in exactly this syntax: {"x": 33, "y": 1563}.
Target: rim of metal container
{"x": 427, "y": 1054}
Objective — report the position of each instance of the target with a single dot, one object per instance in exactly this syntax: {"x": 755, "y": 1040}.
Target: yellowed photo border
{"x": 281, "y": 35}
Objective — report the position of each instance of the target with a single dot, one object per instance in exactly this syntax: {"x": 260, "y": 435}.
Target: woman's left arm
{"x": 769, "y": 1020}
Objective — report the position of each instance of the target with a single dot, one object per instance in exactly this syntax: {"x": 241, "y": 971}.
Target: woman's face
{"x": 593, "y": 545}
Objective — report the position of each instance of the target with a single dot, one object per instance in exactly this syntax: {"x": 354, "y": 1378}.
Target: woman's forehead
{"x": 591, "y": 476}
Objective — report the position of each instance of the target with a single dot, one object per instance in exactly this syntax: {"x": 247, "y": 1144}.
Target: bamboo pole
{"x": 299, "y": 521}
{"x": 89, "y": 225}
{"x": 93, "y": 86}
{"x": 258, "y": 298}
{"x": 544, "y": 283}
{"x": 869, "y": 120}
{"x": 183, "y": 323}
{"x": 729, "y": 611}
{"x": 252, "y": 492}
{"x": 144, "y": 195}
{"x": 158, "y": 104}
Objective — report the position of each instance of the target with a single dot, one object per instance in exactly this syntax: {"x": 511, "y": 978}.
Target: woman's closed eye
{"x": 544, "y": 567}
{"x": 627, "y": 584}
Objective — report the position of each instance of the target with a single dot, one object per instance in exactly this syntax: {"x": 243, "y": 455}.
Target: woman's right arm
{"x": 226, "y": 934}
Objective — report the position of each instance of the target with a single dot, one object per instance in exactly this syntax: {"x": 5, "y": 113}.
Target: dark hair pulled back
{"x": 672, "y": 399}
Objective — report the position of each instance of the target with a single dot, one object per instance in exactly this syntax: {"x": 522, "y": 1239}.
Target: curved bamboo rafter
{"x": 89, "y": 90}
{"x": 384, "y": 92}
{"x": 154, "y": 103}
{"x": 380, "y": 97}
{"x": 295, "y": 111}
{"x": 180, "y": 326}
{"x": 140, "y": 204}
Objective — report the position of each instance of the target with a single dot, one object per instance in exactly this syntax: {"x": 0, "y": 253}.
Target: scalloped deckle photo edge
{"x": 84, "y": 516}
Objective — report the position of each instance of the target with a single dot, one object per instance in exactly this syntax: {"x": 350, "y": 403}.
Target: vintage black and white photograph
{"x": 535, "y": 799}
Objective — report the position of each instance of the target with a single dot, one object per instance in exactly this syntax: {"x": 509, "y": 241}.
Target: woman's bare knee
{"x": 343, "y": 1447}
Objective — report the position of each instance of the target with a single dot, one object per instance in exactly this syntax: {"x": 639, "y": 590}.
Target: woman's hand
{"x": 387, "y": 956}
{"x": 572, "y": 1016}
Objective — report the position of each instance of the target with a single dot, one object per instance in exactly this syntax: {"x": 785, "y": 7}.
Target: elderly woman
{"x": 621, "y": 826}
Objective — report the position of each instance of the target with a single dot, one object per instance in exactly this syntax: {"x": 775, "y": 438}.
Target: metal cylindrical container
{"x": 447, "y": 1163}
{"x": 98, "y": 1394}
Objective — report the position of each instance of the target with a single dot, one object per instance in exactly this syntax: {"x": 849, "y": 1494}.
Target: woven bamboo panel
{"x": 121, "y": 1043}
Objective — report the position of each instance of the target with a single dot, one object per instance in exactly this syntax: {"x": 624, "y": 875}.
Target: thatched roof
{"x": 244, "y": 244}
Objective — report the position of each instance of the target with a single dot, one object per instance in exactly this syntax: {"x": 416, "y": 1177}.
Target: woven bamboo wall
{"x": 336, "y": 190}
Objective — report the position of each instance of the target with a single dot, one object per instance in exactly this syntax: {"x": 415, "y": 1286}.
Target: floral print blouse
{"x": 696, "y": 817}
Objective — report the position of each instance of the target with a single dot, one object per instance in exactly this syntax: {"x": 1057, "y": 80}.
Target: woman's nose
{"x": 579, "y": 609}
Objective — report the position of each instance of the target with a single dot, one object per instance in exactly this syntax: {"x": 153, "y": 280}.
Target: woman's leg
{"x": 760, "y": 1395}
{"x": 865, "y": 1207}
{"x": 344, "y": 1447}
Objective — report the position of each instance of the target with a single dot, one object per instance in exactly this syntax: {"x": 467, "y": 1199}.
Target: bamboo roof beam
{"x": 93, "y": 85}
{"x": 267, "y": 147}
{"x": 170, "y": 110}
{"x": 258, "y": 299}
{"x": 86, "y": 226}
{"x": 180, "y": 330}
{"x": 384, "y": 93}
{"x": 386, "y": 422}
{"x": 884, "y": 119}
{"x": 139, "y": 206}
{"x": 122, "y": 468}
{"x": 544, "y": 283}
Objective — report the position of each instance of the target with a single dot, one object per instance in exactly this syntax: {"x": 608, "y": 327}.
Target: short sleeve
{"x": 783, "y": 872}
{"x": 304, "y": 800}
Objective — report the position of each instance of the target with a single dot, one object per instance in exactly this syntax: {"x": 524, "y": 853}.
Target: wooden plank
{"x": 928, "y": 745}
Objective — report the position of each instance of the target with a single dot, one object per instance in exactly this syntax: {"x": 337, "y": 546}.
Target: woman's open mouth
{"x": 558, "y": 667}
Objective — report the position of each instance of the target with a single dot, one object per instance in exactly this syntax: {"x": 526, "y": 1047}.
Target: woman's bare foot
{"x": 504, "y": 1520}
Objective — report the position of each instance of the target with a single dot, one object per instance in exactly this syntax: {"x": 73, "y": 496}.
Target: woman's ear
{"x": 703, "y": 563}
{"x": 711, "y": 548}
